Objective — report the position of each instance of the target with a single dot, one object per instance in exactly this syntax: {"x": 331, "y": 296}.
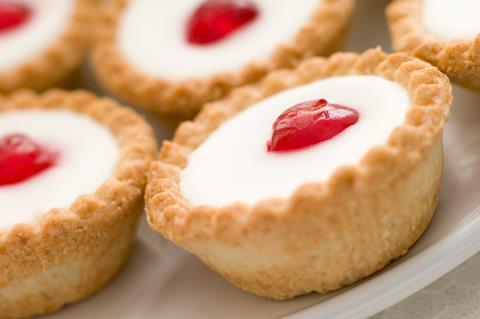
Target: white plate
{"x": 162, "y": 281}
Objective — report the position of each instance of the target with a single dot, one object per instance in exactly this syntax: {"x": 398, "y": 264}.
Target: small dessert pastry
{"x": 311, "y": 180}
{"x": 42, "y": 42}
{"x": 173, "y": 56}
{"x": 72, "y": 174}
{"x": 443, "y": 32}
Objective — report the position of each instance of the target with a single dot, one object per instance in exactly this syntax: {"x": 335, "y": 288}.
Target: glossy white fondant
{"x": 88, "y": 153}
{"x": 233, "y": 165}
{"x": 48, "y": 21}
{"x": 151, "y": 36}
{"x": 452, "y": 20}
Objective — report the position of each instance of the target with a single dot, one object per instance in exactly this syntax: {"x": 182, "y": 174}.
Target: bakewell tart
{"x": 442, "y": 32}
{"x": 310, "y": 180}
{"x": 72, "y": 175}
{"x": 42, "y": 42}
{"x": 173, "y": 56}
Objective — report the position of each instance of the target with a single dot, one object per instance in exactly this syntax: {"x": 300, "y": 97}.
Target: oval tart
{"x": 310, "y": 180}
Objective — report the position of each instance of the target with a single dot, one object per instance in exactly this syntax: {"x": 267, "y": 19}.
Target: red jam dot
{"x": 310, "y": 123}
{"x": 22, "y": 158}
{"x": 214, "y": 20}
{"x": 12, "y": 15}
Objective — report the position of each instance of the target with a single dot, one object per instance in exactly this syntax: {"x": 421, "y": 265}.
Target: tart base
{"x": 383, "y": 234}
{"x": 79, "y": 271}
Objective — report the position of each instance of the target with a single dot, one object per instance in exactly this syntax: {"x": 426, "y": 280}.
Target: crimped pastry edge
{"x": 323, "y": 35}
{"x": 60, "y": 59}
{"x": 459, "y": 59}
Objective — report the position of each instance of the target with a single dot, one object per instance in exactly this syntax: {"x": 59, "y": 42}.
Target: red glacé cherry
{"x": 12, "y": 15}
{"x": 310, "y": 123}
{"x": 21, "y": 158}
{"x": 214, "y": 20}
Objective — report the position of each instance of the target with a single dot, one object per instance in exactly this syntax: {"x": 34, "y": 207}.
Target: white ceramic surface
{"x": 162, "y": 281}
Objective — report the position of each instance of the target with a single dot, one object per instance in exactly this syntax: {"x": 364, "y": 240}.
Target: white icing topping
{"x": 452, "y": 20}
{"x": 47, "y": 23}
{"x": 88, "y": 155}
{"x": 152, "y": 37}
{"x": 233, "y": 165}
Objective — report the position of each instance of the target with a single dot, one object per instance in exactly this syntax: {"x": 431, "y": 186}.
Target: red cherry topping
{"x": 214, "y": 20}
{"x": 12, "y": 15}
{"x": 310, "y": 123}
{"x": 21, "y": 158}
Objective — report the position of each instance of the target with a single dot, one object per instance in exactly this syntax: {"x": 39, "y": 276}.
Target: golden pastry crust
{"x": 327, "y": 234}
{"x": 459, "y": 59}
{"x": 71, "y": 252}
{"x": 322, "y": 35}
{"x": 61, "y": 58}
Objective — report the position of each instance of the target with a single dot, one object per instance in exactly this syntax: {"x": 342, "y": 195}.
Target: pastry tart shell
{"x": 70, "y": 253}
{"x": 322, "y": 35}
{"x": 328, "y": 234}
{"x": 56, "y": 64}
{"x": 459, "y": 59}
